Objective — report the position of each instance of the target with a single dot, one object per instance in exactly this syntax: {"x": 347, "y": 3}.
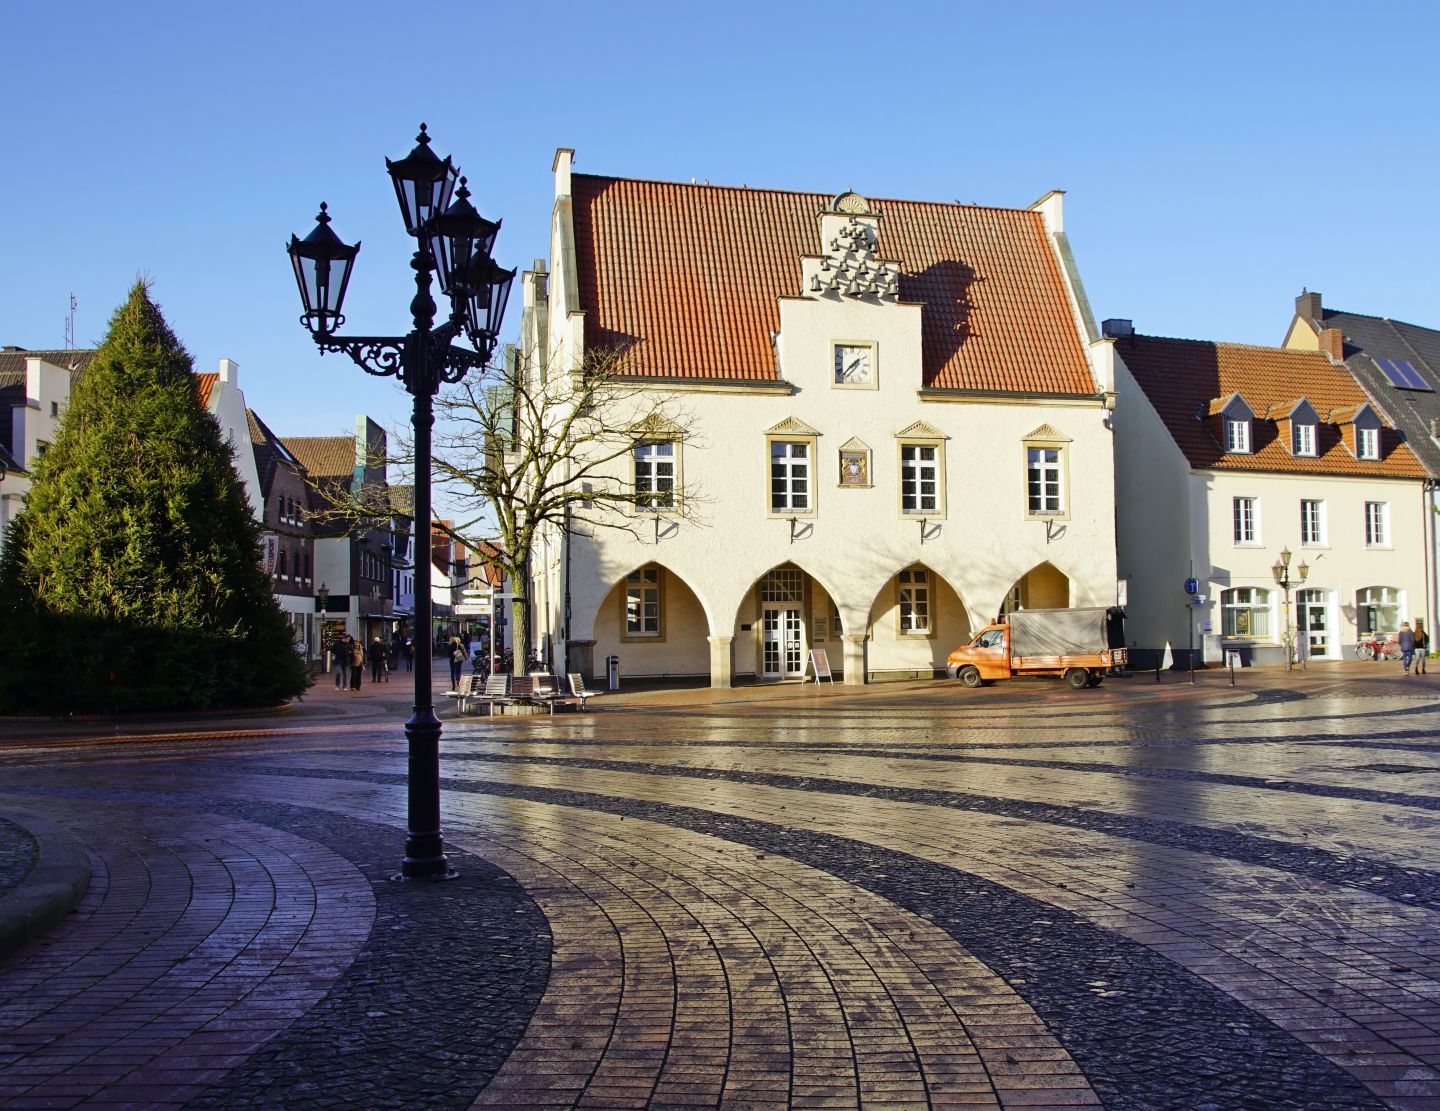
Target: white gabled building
{"x": 893, "y": 428}
{"x": 1227, "y": 454}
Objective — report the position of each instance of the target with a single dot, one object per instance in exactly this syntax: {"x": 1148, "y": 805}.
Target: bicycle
{"x": 1373, "y": 648}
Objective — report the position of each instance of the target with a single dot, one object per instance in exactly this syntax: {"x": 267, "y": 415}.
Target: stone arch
{"x": 655, "y": 621}
{"x": 902, "y": 645}
{"x": 1044, "y": 586}
{"x": 786, "y": 611}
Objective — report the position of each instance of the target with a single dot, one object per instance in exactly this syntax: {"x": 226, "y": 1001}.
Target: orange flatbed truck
{"x": 1070, "y": 643}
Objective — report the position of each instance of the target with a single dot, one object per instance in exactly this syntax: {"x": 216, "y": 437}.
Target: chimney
{"x": 1308, "y": 306}
{"x": 1116, "y": 328}
{"x": 230, "y": 372}
{"x": 1332, "y": 342}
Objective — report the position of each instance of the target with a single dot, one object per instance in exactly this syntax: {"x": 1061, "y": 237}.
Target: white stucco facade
{"x": 1226, "y": 528}
{"x": 33, "y": 427}
{"x": 745, "y": 588}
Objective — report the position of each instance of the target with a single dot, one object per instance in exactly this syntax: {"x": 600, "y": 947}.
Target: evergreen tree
{"x": 132, "y": 580}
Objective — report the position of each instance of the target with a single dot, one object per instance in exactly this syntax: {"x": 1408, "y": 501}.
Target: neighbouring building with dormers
{"x": 1398, "y": 364}
{"x": 896, "y": 426}
{"x": 1228, "y": 454}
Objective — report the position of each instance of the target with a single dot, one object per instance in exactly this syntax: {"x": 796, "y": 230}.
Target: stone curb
{"x": 51, "y": 890}
{"x": 143, "y": 716}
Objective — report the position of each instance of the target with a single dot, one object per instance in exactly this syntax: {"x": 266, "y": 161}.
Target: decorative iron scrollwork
{"x": 382, "y": 356}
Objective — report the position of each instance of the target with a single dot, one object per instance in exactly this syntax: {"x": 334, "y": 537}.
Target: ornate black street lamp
{"x": 1281, "y": 570}
{"x": 453, "y": 241}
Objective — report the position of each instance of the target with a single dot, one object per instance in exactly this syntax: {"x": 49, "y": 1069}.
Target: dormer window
{"x": 1237, "y": 436}
{"x": 1303, "y": 438}
{"x": 1367, "y": 443}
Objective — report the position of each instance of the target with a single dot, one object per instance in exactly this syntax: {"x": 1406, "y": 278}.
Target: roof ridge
{"x": 799, "y": 192}
{"x": 1235, "y": 343}
{"x": 1381, "y": 319}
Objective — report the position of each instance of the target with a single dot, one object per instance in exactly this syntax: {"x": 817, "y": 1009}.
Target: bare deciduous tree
{"x": 518, "y": 451}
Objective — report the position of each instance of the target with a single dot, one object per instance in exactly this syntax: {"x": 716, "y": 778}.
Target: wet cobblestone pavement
{"x": 1142, "y": 896}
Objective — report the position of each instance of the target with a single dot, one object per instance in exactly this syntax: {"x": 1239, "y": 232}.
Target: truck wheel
{"x": 969, "y": 676}
{"x": 1078, "y": 678}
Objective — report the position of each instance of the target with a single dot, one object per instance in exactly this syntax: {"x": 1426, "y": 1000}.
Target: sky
{"x": 1216, "y": 158}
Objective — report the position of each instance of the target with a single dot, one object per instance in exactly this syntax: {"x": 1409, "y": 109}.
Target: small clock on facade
{"x": 854, "y": 364}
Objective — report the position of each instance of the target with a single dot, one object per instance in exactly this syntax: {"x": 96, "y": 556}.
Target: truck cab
{"x": 988, "y": 652}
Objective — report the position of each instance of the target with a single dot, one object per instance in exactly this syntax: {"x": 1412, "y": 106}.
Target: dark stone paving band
{"x": 1410, "y": 886}
{"x": 433, "y": 1004}
{"x": 1259, "y": 783}
{"x": 1147, "y": 1033}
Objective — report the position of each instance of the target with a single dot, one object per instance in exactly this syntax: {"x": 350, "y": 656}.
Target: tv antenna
{"x": 70, "y": 325}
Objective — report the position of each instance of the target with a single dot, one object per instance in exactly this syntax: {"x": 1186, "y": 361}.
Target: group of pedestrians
{"x": 349, "y": 654}
{"x": 1414, "y": 646}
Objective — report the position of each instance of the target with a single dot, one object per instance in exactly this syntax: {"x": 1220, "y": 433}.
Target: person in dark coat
{"x": 1422, "y": 646}
{"x": 340, "y": 661}
{"x": 1407, "y": 645}
{"x": 377, "y": 660}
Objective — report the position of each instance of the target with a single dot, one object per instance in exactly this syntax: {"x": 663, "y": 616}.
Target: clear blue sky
{"x": 1217, "y": 157}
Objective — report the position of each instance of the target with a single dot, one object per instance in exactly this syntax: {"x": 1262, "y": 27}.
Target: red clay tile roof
{"x": 204, "y": 384}
{"x": 324, "y": 456}
{"x": 1182, "y": 377}
{"x": 692, "y": 272}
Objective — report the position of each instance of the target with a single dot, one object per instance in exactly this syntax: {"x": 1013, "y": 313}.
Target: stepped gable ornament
{"x": 850, "y": 265}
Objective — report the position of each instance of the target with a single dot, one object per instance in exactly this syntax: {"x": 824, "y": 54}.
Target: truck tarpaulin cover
{"x": 1068, "y": 632}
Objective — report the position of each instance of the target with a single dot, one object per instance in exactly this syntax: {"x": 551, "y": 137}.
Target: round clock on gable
{"x": 854, "y": 364}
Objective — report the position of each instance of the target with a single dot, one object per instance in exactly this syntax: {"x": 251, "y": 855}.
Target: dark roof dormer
{"x": 1231, "y": 420}
{"x": 1297, "y": 425}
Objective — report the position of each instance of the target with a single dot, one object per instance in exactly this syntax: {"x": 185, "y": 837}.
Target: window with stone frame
{"x": 790, "y": 476}
{"x": 920, "y": 478}
{"x": 1045, "y": 480}
{"x": 654, "y": 462}
{"x": 643, "y": 613}
{"x": 913, "y": 595}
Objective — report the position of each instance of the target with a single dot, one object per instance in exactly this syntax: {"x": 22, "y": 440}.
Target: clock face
{"x": 854, "y": 364}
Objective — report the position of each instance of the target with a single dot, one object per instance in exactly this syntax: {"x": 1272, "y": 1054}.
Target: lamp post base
{"x": 424, "y": 844}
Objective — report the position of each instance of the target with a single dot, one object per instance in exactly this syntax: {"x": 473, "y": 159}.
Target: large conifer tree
{"x": 132, "y": 580}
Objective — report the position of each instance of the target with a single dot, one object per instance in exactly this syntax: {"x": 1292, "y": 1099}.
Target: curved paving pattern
{"x": 1150, "y": 898}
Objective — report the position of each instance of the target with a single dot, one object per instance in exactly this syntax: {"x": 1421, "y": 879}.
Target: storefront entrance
{"x": 1313, "y": 624}
{"x": 783, "y": 644}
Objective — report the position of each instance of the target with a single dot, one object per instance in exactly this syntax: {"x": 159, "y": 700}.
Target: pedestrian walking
{"x": 377, "y": 659}
{"x": 1407, "y": 645}
{"x": 457, "y": 661}
{"x": 357, "y": 662}
{"x": 1422, "y": 646}
{"x": 409, "y": 654}
{"x": 340, "y": 661}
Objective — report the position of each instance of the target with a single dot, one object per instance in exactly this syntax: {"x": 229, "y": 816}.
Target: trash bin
{"x": 612, "y": 673}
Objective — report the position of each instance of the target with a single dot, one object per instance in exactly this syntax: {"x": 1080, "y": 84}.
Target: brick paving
{"x": 1143, "y": 896}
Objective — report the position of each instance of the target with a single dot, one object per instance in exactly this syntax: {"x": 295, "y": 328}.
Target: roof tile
{"x": 1182, "y": 379}
{"x": 691, "y": 275}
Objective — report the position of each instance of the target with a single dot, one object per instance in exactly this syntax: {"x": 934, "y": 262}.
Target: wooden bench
{"x": 577, "y": 688}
